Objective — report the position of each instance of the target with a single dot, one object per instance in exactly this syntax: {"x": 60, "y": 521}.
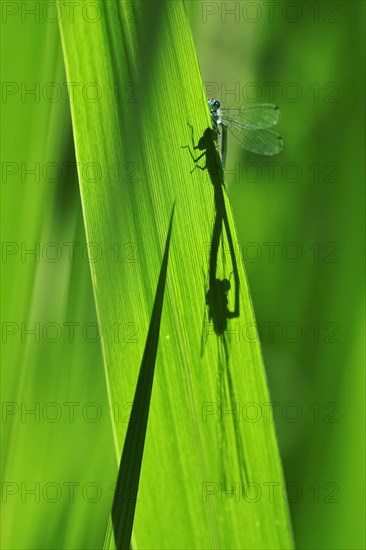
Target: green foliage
{"x": 132, "y": 169}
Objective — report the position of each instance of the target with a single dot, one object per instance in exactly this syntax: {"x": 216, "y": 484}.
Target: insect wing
{"x": 259, "y": 116}
{"x": 259, "y": 141}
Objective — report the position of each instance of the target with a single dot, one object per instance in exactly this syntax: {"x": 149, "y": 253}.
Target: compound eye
{"x": 214, "y": 104}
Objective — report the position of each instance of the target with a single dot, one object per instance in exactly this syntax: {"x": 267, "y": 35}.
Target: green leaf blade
{"x": 142, "y": 143}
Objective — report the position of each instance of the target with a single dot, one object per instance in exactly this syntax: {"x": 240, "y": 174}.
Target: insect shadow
{"x": 218, "y": 288}
{"x": 217, "y": 293}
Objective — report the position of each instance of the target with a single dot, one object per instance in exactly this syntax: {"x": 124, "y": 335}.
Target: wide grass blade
{"x": 133, "y": 167}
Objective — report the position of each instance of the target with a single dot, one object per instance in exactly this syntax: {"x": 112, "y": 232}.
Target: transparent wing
{"x": 259, "y": 141}
{"x": 259, "y": 116}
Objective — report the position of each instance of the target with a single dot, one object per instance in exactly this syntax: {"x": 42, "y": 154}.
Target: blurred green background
{"x": 300, "y": 222}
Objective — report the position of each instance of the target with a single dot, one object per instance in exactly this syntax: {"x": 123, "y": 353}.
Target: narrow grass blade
{"x": 123, "y": 509}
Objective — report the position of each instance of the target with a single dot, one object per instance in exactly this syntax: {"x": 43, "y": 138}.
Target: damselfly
{"x": 250, "y": 125}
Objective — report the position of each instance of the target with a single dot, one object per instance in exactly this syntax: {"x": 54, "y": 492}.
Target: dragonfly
{"x": 249, "y": 125}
